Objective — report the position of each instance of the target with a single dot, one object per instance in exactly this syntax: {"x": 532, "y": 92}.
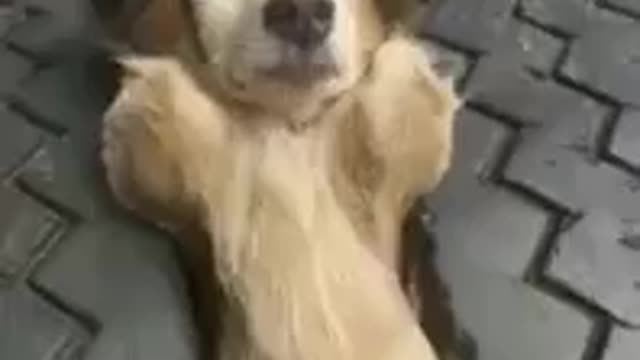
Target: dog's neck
{"x": 297, "y": 114}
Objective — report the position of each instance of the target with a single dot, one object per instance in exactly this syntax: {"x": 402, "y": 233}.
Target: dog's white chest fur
{"x": 295, "y": 260}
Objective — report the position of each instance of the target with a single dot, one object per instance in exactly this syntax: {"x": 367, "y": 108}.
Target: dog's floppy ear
{"x": 148, "y": 26}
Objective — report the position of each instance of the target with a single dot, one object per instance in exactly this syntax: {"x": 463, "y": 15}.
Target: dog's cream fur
{"x": 301, "y": 190}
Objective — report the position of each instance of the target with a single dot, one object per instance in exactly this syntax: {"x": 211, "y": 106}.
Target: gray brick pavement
{"x": 563, "y": 91}
{"x": 78, "y": 278}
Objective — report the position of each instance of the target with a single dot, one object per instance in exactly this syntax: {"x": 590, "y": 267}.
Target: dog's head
{"x": 278, "y": 52}
{"x": 275, "y": 53}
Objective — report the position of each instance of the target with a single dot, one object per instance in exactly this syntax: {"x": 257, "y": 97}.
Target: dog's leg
{"x": 396, "y": 142}
{"x": 393, "y": 145}
{"x": 162, "y": 138}
{"x": 160, "y": 134}
{"x": 410, "y": 112}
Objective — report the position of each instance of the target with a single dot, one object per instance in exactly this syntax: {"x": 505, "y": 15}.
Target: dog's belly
{"x": 309, "y": 287}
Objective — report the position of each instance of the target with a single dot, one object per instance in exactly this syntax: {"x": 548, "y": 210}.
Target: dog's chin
{"x": 299, "y": 75}
{"x": 288, "y": 83}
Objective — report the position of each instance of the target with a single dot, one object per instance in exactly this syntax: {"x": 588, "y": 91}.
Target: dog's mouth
{"x": 300, "y": 68}
{"x": 300, "y": 74}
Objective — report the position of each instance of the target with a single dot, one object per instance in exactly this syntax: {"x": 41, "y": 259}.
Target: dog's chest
{"x": 292, "y": 166}
{"x": 278, "y": 171}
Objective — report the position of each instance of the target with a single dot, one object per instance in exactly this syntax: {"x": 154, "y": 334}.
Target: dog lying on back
{"x": 295, "y": 135}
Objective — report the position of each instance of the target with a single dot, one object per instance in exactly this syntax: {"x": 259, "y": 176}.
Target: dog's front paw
{"x": 164, "y": 138}
{"x": 142, "y": 160}
{"x": 115, "y": 156}
{"x": 137, "y": 181}
{"x": 411, "y": 110}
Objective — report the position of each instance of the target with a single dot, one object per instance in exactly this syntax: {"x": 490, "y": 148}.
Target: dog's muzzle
{"x": 302, "y": 24}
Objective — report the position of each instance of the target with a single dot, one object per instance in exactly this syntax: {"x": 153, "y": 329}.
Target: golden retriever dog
{"x": 285, "y": 140}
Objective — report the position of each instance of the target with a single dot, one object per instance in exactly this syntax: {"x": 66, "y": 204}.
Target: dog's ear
{"x": 148, "y": 26}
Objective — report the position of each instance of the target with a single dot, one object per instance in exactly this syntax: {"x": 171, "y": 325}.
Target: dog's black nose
{"x": 304, "y": 23}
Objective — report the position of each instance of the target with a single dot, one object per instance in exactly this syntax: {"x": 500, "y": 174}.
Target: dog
{"x": 294, "y": 135}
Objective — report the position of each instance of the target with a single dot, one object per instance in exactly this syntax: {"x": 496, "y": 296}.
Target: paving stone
{"x": 486, "y": 238}
{"x": 54, "y": 27}
{"x": 607, "y": 59}
{"x": 14, "y": 69}
{"x": 64, "y": 175}
{"x": 110, "y": 288}
{"x": 510, "y": 320}
{"x": 542, "y": 102}
{"x": 567, "y": 122}
{"x": 5, "y": 19}
{"x": 116, "y": 273}
{"x": 530, "y": 46}
{"x": 476, "y": 25}
{"x": 72, "y": 94}
{"x": 623, "y": 345}
{"x": 555, "y": 159}
{"x": 572, "y": 17}
{"x": 71, "y": 97}
{"x": 127, "y": 278}
{"x": 466, "y": 203}
{"x": 25, "y": 232}
{"x": 17, "y": 140}
{"x": 33, "y": 329}
{"x": 626, "y": 138}
{"x": 631, "y": 6}
{"x": 597, "y": 257}
{"x": 515, "y": 41}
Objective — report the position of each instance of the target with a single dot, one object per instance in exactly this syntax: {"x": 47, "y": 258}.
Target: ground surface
{"x": 538, "y": 224}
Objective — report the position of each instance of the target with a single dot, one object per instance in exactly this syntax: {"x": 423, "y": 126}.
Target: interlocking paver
{"x": 508, "y": 319}
{"x": 111, "y": 288}
{"x": 561, "y": 128}
{"x": 555, "y": 158}
{"x": 631, "y": 6}
{"x": 55, "y": 26}
{"x": 607, "y": 60}
{"x": 505, "y": 247}
{"x": 457, "y": 22}
{"x": 128, "y": 280}
{"x": 584, "y": 73}
{"x": 626, "y": 138}
{"x": 67, "y": 170}
{"x": 483, "y": 264}
{"x": 6, "y": 13}
{"x": 595, "y": 259}
{"x": 528, "y": 45}
{"x": 14, "y": 68}
{"x": 623, "y": 345}
{"x": 25, "y": 229}
{"x": 573, "y": 17}
{"x": 17, "y": 139}
{"x": 33, "y": 329}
